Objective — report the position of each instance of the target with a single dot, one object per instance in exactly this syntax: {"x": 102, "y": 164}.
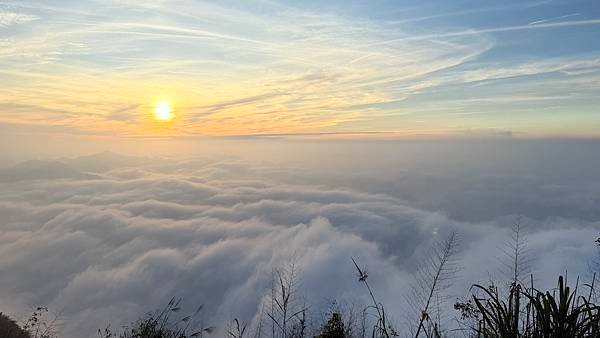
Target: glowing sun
{"x": 163, "y": 111}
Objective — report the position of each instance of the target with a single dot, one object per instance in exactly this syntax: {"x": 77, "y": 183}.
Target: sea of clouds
{"x": 107, "y": 238}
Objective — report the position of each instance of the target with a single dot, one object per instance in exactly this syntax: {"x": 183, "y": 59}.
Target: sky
{"x": 336, "y": 69}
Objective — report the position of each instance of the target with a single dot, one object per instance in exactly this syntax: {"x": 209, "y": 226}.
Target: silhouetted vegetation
{"x": 10, "y": 329}
{"x": 527, "y": 312}
{"x": 37, "y": 325}
{"x": 334, "y": 328}
{"x": 381, "y": 328}
{"x": 517, "y": 311}
{"x": 165, "y": 323}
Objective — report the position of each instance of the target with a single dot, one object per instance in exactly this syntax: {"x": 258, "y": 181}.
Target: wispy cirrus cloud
{"x": 539, "y": 25}
{"x": 8, "y": 18}
{"x": 338, "y": 72}
{"x": 554, "y": 18}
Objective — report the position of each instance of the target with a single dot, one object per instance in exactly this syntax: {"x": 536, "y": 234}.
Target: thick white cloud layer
{"x": 110, "y": 244}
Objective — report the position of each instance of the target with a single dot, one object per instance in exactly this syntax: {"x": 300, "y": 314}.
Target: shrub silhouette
{"x": 40, "y": 325}
{"x": 162, "y": 325}
{"x": 564, "y": 315}
{"x": 10, "y": 329}
{"x": 334, "y": 328}
{"x": 532, "y": 313}
{"x": 521, "y": 311}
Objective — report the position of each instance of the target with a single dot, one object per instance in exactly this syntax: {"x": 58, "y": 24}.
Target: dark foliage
{"x": 10, "y": 329}
{"x": 162, "y": 324}
{"x": 520, "y": 311}
{"x": 334, "y": 327}
{"x": 531, "y": 313}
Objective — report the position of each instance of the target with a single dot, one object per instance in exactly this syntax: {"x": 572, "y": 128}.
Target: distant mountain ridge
{"x": 103, "y": 161}
{"x": 36, "y": 169}
{"x": 83, "y": 167}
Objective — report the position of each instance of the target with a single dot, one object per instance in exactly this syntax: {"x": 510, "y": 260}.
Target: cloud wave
{"x": 110, "y": 246}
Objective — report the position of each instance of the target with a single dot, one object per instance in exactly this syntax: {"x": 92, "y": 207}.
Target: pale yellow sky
{"x": 100, "y": 68}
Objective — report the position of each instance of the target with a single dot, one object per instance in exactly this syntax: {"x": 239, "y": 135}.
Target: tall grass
{"x": 533, "y": 313}
{"x": 287, "y": 312}
{"x": 431, "y": 282}
{"x": 521, "y": 311}
{"x": 527, "y": 312}
{"x": 382, "y": 327}
{"x": 165, "y": 323}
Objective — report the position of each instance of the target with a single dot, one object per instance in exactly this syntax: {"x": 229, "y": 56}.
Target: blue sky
{"x": 385, "y": 69}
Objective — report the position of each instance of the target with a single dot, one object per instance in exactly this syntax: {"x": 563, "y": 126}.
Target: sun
{"x": 163, "y": 111}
